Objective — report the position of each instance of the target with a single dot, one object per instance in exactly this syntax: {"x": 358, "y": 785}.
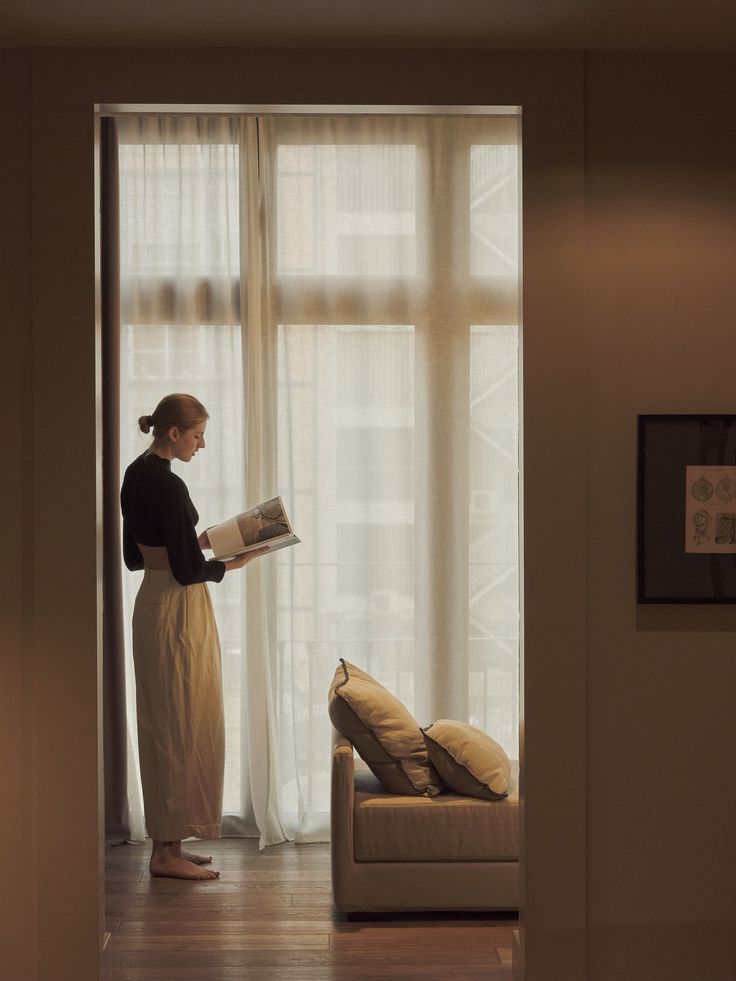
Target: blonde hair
{"x": 183, "y": 411}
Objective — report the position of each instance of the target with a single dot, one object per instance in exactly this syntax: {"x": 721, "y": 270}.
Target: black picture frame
{"x": 667, "y": 444}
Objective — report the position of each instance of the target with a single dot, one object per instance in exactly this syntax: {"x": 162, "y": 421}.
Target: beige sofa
{"x": 392, "y": 852}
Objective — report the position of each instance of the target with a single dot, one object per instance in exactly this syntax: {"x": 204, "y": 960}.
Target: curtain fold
{"x": 117, "y": 825}
{"x": 260, "y": 434}
{"x": 342, "y": 293}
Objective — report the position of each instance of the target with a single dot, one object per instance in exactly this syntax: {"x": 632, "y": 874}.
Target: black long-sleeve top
{"x": 157, "y": 510}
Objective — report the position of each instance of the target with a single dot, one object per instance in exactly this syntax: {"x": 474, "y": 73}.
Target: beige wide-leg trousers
{"x": 181, "y": 731}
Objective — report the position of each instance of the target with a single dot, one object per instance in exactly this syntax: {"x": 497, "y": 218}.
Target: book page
{"x": 263, "y": 522}
{"x": 264, "y": 526}
{"x": 225, "y": 538}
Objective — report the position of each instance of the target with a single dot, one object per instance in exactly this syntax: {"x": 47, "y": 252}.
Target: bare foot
{"x": 164, "y": 863}
{"x": 168, "y": 860}
{"x": 196, "y": 859}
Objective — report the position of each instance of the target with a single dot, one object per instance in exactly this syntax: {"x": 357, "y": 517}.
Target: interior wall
{"x": 62, "y": 508}
{"x": 553, "y": 730}
{"x": 661, "y": 222}
{"x": 17, "y": 884}
{"x": 65, "y": 501}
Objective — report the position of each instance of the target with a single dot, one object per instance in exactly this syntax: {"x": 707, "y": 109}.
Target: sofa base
{"x": 378, "y": 887}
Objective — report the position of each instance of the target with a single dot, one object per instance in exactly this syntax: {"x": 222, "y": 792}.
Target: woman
{"x": 176, "y": 649}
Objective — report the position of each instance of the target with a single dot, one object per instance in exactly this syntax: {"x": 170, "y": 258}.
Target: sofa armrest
{"x": 341, "y": 819}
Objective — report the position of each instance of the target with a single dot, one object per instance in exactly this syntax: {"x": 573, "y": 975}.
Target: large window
{"x": 342, "y": 294}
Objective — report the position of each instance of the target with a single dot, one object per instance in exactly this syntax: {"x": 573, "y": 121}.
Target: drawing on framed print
{"x": 686, "y": 500}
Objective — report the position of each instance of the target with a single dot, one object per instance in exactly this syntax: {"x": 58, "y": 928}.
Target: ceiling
{"x": 680, "y": 25}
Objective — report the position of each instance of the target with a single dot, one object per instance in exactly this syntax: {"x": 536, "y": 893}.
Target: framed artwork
{"x": 686, "y": 527}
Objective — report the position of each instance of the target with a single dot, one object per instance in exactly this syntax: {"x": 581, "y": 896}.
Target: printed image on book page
{"x": 710, "y": 509}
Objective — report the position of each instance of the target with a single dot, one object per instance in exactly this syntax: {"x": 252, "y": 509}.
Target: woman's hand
{"x": 204, "y": 540}
{"x": 240, "y": 560}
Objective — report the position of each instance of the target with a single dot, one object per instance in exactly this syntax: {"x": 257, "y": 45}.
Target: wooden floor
{"x": 270, "y": 916}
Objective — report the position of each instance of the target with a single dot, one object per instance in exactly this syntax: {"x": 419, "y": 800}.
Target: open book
{"x": 264, "y": 526}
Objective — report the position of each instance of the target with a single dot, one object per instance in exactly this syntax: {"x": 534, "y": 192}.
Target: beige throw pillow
{"x": 468, "y": 760}
{"x": 383, "y": 731}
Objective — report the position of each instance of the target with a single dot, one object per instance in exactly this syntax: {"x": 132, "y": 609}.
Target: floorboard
{"x": 270, "y": 918}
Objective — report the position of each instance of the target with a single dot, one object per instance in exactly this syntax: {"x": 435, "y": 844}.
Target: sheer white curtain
{"x": 180, "y": 317}
{"x": 374, "y": 384}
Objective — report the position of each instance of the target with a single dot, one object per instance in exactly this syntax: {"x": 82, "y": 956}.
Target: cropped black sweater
{"x": 157, "y": 510}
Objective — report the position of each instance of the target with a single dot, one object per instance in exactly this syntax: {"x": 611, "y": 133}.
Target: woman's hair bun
{"x": 176, "y": 410}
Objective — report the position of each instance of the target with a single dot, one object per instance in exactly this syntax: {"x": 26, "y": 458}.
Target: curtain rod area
{"x": 114, "y": 109}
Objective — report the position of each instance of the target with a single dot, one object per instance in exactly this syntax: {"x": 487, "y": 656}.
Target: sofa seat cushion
{"x": 448, "y": 828}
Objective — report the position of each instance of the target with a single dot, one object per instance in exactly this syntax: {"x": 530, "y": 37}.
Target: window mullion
{"x": 312, "y": 300}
